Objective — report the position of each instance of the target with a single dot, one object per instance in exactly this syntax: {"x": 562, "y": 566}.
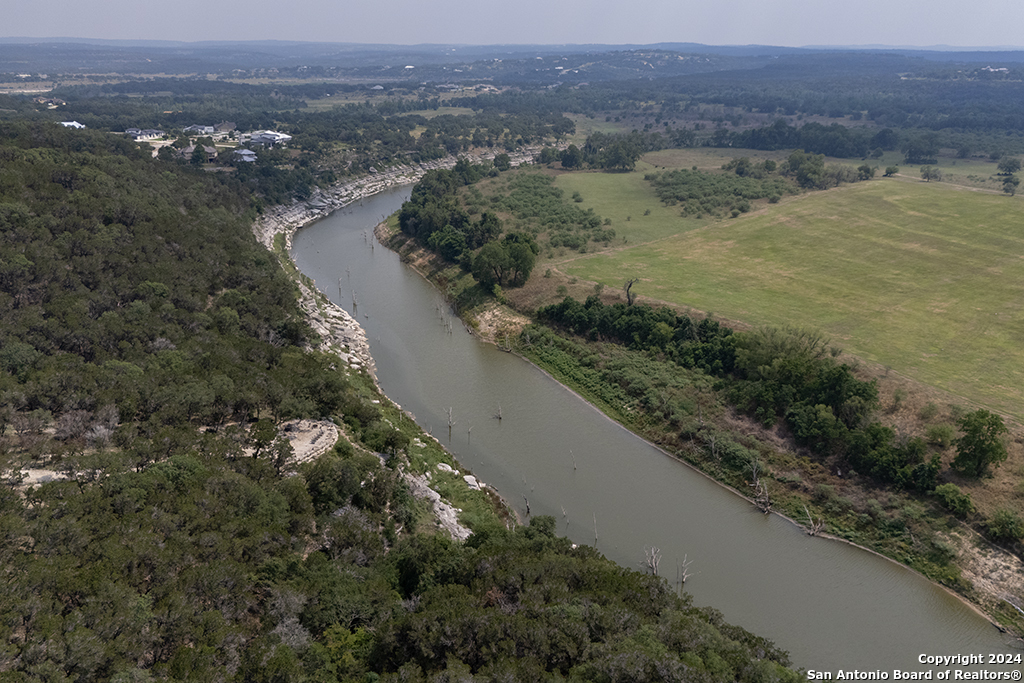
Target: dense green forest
{"x": 150, "y": 351}
{"x": 135, "y": 287}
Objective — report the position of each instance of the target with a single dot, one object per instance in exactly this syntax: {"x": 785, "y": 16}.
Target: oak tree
{"x": 981, "y": 444}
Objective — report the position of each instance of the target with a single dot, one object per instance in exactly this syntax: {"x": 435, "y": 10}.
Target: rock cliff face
{"x": 340, "y": 333}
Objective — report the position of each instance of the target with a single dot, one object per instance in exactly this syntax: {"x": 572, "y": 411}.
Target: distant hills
{"x": 83, "y": 55}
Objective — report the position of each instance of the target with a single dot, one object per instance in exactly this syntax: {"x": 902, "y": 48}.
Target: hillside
{"x": 152, "y": 355}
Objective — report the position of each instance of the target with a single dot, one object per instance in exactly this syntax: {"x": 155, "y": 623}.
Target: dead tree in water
{"x": 652, "y": 558}
{"x": 763, "y": 500}
{"x": 451, "y": 422}
{"x": 683, "y": 572}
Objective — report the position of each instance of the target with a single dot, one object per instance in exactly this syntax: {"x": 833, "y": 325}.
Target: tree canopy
{"x": 980, "y": 446}
{"x": 137, "y": 307}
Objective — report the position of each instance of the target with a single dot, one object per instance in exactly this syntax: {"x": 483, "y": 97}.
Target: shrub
{"x": 929, "y": 411}
{"x": 1005, "y": 525}
{"x": 940, "y": 435}
{"x": 954, "y": 500}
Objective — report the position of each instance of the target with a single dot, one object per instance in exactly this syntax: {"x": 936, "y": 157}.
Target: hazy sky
{"x": 722, "y": 22}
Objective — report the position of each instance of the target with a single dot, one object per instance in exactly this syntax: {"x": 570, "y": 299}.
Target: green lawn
{"x": 924, "y": 277}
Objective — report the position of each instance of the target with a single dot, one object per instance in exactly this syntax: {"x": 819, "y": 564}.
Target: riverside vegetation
{"x": 150, "y": 349}
{"x": 773, "y": 412}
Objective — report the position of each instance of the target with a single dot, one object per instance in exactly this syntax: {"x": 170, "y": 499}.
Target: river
{"x": 829, "y": 604}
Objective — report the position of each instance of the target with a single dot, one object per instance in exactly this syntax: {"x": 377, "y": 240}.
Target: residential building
{"x": 268, "y": 138}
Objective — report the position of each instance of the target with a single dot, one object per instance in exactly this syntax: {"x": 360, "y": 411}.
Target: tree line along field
{"x": 923, "y": 277}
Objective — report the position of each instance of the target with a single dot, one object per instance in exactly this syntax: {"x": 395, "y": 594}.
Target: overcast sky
{"x": 982, "y": 23}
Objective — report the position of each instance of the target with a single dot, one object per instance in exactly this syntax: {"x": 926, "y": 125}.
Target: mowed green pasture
{"x": 923, "y": 277}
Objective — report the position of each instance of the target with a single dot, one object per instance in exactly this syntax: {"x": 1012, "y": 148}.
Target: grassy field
{"x": 586, "y": 126}
{"x": 626, "y": 198}
{"x": 926, "y": 278}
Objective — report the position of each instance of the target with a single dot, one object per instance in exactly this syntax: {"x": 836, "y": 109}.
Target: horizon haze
{"x": 903, "y": 24}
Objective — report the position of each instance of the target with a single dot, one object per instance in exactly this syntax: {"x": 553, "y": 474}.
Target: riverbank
{"x": 342, "y": 336}
{"x": 986, "y": 578}
{"x": 340, "y": 333}
{"x": 555, "y": 455}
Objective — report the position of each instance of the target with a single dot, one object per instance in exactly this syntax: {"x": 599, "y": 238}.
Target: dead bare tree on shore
{"x": 762, "y": 499}
{"x": 814, "y": 526}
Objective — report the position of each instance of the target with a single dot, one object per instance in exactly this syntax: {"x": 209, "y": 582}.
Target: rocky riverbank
{"x": 340, "y": 333}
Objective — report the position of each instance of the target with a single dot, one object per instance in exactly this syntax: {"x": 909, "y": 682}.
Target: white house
{"x": 147, "y": 134}
{"x": 269, "y": 138}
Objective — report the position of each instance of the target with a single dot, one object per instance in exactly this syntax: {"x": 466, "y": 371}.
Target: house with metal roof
{"x": 269, "y": 138}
